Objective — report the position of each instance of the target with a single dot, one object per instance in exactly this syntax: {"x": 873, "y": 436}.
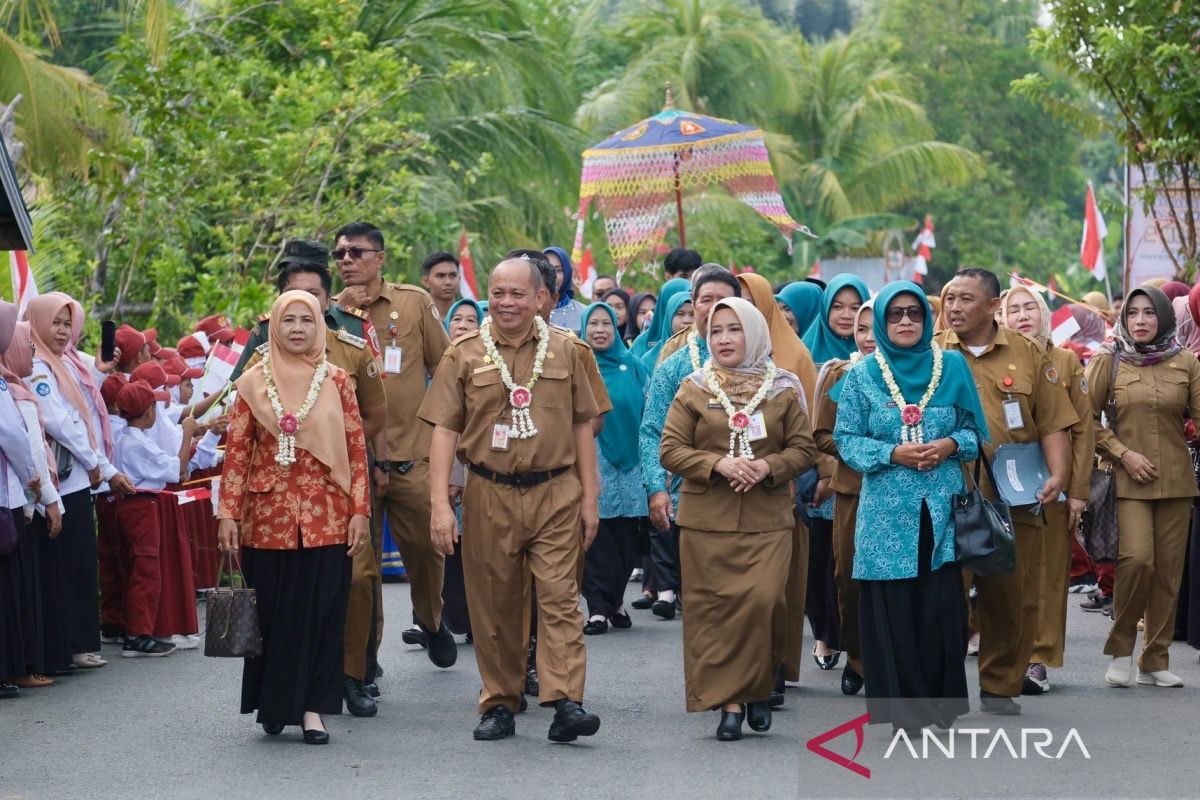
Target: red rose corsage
{"x": 911, "y": 414}
{"x": 740, "y": 421}
{"x": 520, "y": 397}
{"x": 288, "y": 423}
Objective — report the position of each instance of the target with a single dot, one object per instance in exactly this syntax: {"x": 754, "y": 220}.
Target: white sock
{"x": 597, "y": 618}
{"x": 667, "y": 596}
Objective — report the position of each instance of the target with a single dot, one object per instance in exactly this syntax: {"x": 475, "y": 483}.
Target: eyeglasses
{"x": 354, "y": 252}
{"x": 915, "y": 313}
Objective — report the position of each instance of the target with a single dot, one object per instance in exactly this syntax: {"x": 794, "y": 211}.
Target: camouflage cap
{"x": 303, "y": 251}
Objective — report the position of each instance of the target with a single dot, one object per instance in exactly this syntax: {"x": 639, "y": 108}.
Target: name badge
{"x": 1012, "y": 415}
{"x": 500, "y": 437}
{"x": 392, "y": 358}
{"x": 713, "y": 404}
{"x": 758, "y": 427}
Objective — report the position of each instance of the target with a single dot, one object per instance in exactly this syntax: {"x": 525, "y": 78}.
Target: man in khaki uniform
{"x": 1024, "y": 401}
{"x": 526, "y": 498}
{"x": 412, "y": 341}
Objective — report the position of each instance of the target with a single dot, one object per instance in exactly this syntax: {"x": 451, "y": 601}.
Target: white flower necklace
{"x": 693, "y": 343}
{"x": 911, "y": 416}
{"x": 290, "y": 423}
{"x": 739, "y": 421}
{"x": 519, "y": 397}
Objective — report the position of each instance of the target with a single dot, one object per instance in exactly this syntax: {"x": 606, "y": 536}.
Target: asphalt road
{"x": 142, "y": 728}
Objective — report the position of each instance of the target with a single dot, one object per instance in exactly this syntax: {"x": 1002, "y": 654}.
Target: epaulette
{"x": 263, "y": 349}
{"x": 351, "y": 339}
{"x": 264, "y": 317}
{"x": 354, "y": 311}
{"x": 570, "y": 334}
{"x": 581, "y": 343}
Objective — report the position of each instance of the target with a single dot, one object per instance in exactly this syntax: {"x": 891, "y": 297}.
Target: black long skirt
{"x": 31, "y": 592}
{"x": 81, "y": 576}
{"x": 1189, "y": 591}
{"x": 12, "y": 638}
{"x": 913, "y": 634}
{"x": 607, "y": 564}
{"x": 55, "y": 645}
{"x": 821, "y": 604}
{"x": 302, "y": 597}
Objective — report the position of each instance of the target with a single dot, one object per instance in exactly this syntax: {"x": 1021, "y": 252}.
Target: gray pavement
{"x": 169, "y": 727}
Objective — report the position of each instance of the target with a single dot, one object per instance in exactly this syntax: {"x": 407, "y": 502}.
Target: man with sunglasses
{"x": 413, "y": 341}
{"x": 1024, "y": 401}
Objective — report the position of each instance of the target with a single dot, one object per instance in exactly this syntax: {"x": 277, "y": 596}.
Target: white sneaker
{"x": 1120, "y": 672}
{"x": 1162, "y": 678}
{"x": 185, "y": 642}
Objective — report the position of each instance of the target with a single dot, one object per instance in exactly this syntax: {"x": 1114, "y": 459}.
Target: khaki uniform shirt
{"x": 843, "y": 479}
{"x": 587, "y": 360}
{"x": 1083, "y": 433}
{"x": 1014, "y": 367}
{"x": 1152, "y": 405}
{"x": 677, "y": 341}
{"x": 404, "y": 317}
{"x": 696, "y": 437}
{"x": 468, "y": 397}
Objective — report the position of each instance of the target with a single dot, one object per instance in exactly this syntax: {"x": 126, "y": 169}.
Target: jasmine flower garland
{"x": 911, "y": 416}
{"x": 739, "y": 421}
{"x": 290, "y": 423}
{"x": 519, "y": 397}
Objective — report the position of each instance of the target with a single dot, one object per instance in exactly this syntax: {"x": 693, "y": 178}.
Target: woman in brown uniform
{"x": 1026, "y": 311}
{"x": 845, "y": 483}
{"x": 1157, "y": 384}
{"x": 737, "y": 434}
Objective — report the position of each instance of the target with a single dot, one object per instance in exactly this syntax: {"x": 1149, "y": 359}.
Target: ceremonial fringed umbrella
{"x": 637, "y": 177}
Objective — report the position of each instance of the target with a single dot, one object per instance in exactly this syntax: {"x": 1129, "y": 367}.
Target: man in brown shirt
{"x": 530, "y": 488}
{"x": 412, "y": 341}
{"x": 1024, "y": 401}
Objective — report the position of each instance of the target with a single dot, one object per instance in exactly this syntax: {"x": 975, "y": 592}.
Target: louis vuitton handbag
{"x": 1099, "y": 523}
{"x": 231, "y": 616}
{"x": 983, "y": 531}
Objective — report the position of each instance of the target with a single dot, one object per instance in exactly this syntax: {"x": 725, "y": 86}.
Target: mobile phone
{"x": 108, "y": 340}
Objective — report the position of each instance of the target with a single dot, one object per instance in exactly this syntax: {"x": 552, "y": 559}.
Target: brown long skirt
{"x": 735, "y": 614}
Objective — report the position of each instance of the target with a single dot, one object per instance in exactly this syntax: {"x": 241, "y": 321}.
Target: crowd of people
{"x": 756, "y": 458}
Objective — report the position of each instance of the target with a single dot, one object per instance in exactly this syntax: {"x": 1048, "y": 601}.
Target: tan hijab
{"x": 323, "y": 433}
{"x": 40, "y": 313}
{"x": 742, "y": 382}
{"x": 1042, "y": 335}
{"x": 786, "y": 348}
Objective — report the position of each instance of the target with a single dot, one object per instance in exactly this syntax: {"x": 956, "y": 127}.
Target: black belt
{"x": 523, "y": 479}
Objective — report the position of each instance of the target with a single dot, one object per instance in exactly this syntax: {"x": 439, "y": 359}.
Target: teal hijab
{"x": 625, "y": 378}
{"x": 650, "y": 358}
{"x": 653, "y": 335}
{"x": 822, "y": 342}
{"x": 804, "y": 299}
{"x": 453, "y": 308}
{"x": 912, "y": 367}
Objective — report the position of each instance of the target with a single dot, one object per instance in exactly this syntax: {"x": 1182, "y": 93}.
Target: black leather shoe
{"x": 852, "y": 682}
{"x": 777, "y": 696}
{"x": 662, "y": 608}
{"x": 316, "y": 737}
{"x": 496, "y": 724}
{"x": 759, "y": 716}
{"x": 621, "y": 621}
{"x": 414, "y": 635}
{"x": 358, "y": 702}
{"x": 532, "y": 686}
{"x": 777, "y": 700}
{"x": 371, "y": 688}
{"x": 730, "y": 727}
{"x": 524, "y": 705}
{"x": 443, "y": 650}
{"x": 997, "y": 704}
{"x": 827, "y": 662}
{"x": 272, "y": 729}
{"x": 571, "y": 721}
{"x": 595, "y": 627}
{"x": 643, "y": 602}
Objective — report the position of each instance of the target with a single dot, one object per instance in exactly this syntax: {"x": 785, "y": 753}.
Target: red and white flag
{"x": 923, "y": 244}
{"x": 1063, "y": 325}
{"x": 467, "y": 285}
{"x": 1091, "y": 249}
{"x": 221, "y": 362}
{"x": 586, "y": 271}
{"x": 241, "y": 337}
{"x": 24, "y": 286}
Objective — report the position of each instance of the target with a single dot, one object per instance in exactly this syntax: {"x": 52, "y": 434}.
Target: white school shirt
{"x": 148, "y": 466}
{"x": 16, "y": 456}
{"x": 106, "y": 469}
{"x": 37, "y": 445}
{"x": 65, "y": 426}
{"x": 165, "y": 433}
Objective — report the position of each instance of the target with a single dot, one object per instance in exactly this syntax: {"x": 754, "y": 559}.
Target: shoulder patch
{"x": 263, "y": 349}
{"x": 264, "y": 317}
{"x": 372, "y": 339}
{"x": 1083, "y": 385}
{"x": 1051, "y": 373}
{"x": 3, "y": 385}
{"x": 354, "y": 311}
{"x": 372, "y": 369}
{"x": 436, "y": 314}
{"x": 43, "y": 389}
{"x": 351, "y": 339}
{"x": 37, "y": 378}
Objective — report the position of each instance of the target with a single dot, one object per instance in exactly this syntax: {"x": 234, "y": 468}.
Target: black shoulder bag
{"x": 983, "y": 530}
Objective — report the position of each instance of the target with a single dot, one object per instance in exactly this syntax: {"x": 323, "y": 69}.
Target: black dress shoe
{"x": 730, "y": 727}
{"x": 776, "y": 700}
{"x": 852, "y": 682}
{"x": 443, "y": 650}
{"x": 595, "y": 627}
{"x": 662, "y": 608}
{"x": 777, "y": 696}
{"x": 997, "y": 704}
{"x": 827, "y": 662}
{"x": 643, "y": 602}
{"x": 371, "y": 688}
{"x": 9, "y": 690}
{"x": 524, "y": 705}
{"x": 316, "y": 737}
{"x": 532, "y": 686}
{"x": 759, "y": 716}
{"x": 272, "y": 728}
{"x": 496, "y": 724}
{"x": 622, "y": 621}
{"x": 358, "y": 702}
{"x": 414, "y": 635}
{"x": 571, "y": 721}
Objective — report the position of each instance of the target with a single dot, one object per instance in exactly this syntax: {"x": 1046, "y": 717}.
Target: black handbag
{"x": 983, "y": 530}
{"x": 64, "y": 460}
{"x": 1099, "y": 523}
{"x": 231, "y": 617}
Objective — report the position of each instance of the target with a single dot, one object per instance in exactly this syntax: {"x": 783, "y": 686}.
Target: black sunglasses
{"x": 354, "y": 252}
{"x": 915, "y": 313}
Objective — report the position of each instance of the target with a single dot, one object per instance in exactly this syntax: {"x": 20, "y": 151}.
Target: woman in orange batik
{"x": 295, "y": 483}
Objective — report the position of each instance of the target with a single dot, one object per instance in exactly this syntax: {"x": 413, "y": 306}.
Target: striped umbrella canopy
{"x": 638, "y": 175}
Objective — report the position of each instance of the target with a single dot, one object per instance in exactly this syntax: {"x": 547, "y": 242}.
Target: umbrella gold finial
{"x": 669, "y": 102}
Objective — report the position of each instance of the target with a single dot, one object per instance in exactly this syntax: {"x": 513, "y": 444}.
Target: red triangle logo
{"x": 817, "y": 744}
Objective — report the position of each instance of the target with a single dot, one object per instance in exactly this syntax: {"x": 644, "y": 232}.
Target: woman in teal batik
{"x": 912, "y": 616}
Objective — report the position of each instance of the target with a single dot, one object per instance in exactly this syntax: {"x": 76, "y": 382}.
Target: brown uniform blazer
{"x": 696, "y": 437}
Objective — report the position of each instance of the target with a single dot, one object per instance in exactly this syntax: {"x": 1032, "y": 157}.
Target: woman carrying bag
{"x": 295, "y": 483}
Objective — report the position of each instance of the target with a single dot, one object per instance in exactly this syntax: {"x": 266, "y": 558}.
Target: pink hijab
{"x": 1187, "y": 309}
{"x": 85, "y": 372}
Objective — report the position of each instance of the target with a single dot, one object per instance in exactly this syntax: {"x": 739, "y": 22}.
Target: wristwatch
{"x": 386, "y": 466}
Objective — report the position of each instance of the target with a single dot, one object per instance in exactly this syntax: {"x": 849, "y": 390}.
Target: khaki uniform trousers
{"x": 845, "y": 517}
{"x": 406, "y": 501}
{"x": 1150, "y": 559}
{"x": 1008, "y": 616}
{"x": 1050, "y": 641}
{"x": 797, "y": 592}
{"x": 511, "y": 533}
